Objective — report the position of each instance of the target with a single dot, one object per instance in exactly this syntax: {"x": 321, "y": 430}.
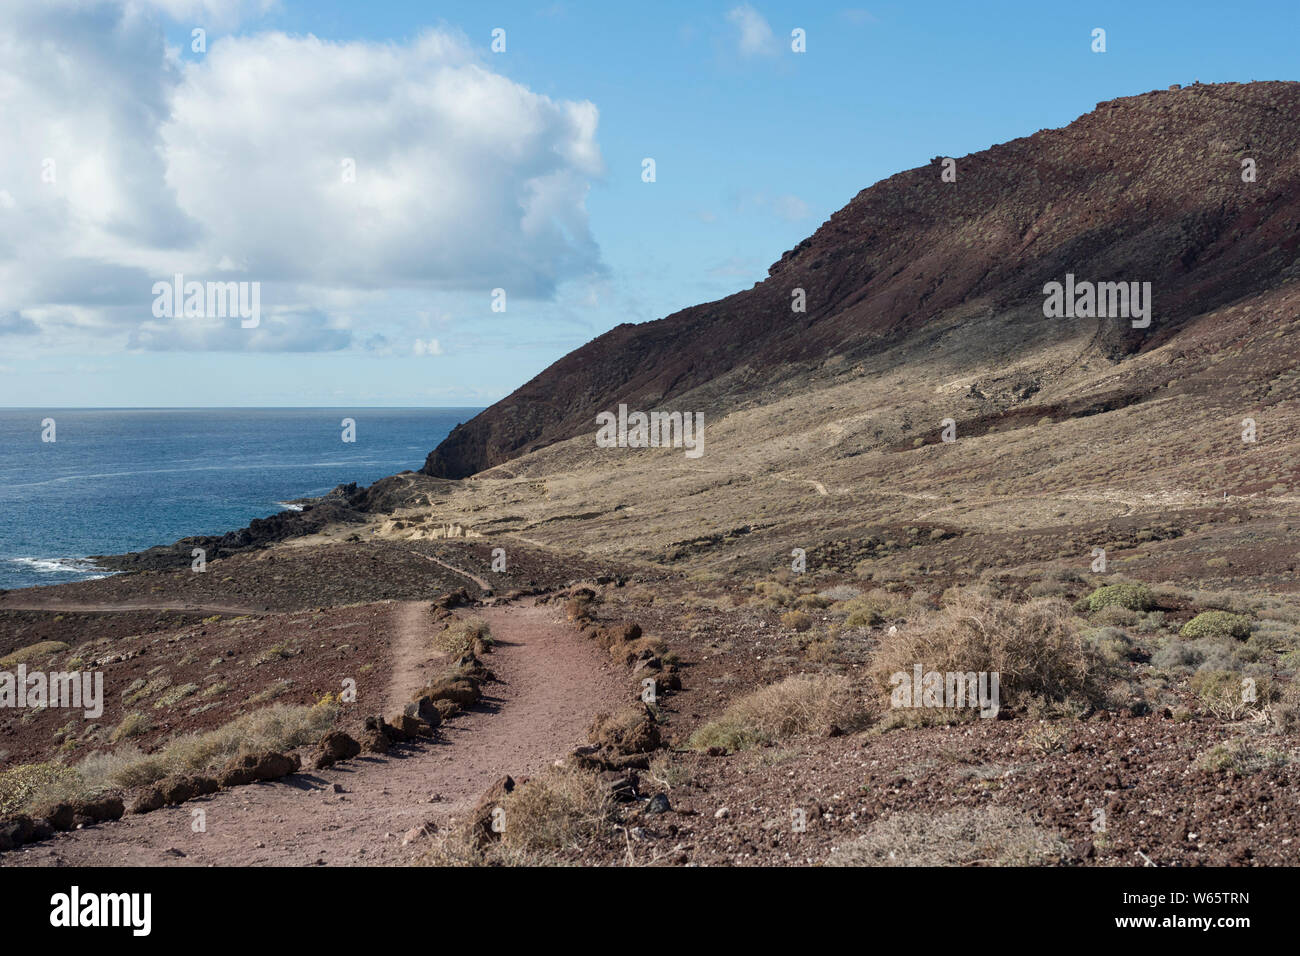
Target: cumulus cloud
{"x": 382, "y": 165}
{"x": 754, "y": 33}
{"x": 323, "y": 170}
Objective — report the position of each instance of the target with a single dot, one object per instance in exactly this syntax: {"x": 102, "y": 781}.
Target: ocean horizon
{"x": 122, "y": 479}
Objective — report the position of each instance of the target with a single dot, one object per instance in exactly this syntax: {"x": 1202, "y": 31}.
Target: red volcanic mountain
{"x": 1152, "y": 188}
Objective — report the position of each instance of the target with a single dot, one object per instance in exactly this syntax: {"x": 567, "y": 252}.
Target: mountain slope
{"x": 1143, "y": 189}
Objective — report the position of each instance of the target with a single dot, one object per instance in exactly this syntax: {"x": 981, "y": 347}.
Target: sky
{"x": 430, "y": 221}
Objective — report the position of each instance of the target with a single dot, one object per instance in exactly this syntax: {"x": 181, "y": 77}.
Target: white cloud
{"x": 229, "y": 167}
{"x": 431, "y": 347}
{"x": 755, "y": 35}
{"x": 282, "y": 331}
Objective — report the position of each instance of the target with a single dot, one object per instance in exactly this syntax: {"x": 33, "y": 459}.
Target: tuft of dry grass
{"x": 801, "y": 704}
{"x": 33, "y": 784}
{"x": 562, "y": 809}
{"x": 133, "y": 725}
{"x": 1242, "y": 756}
{"x": 273, "y": 728}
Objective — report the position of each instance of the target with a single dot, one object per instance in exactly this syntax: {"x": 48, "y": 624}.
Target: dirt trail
{"x": 411, "y": 666}
{"x": 461, "y": 571}
{"x": 73, "y": 607}
{"x": 552, "y": 682}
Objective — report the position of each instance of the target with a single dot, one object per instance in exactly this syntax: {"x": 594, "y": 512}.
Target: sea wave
{"x": 289, "y": 506}
{"x": 63, "y": 566}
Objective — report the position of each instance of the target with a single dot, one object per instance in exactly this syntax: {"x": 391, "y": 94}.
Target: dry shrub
{"x": 820, "y": 650}
{"x": 796, "y": 620}
{"x": 802, "y": 704}
{"x": 32, "y": 652}
{"x": 1034, "y": 648}
{"x": 1226, "y": 695}
{"x": 989, "y": 836}
{"x": 581, "y": 604}
{"x": 471, "y": 636}
{"x": 629, "y": 652}
{"x": 871, "y": 609}
{"x": 773, "y": 594}
{"x": 631, "y": 730}
{"x": 1285, "y": 714}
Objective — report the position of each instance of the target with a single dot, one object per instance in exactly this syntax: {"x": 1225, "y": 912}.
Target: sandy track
{"x": 552, "y": 682}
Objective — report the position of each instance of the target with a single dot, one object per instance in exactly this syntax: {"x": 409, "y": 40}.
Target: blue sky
{"x": 386, "y": 300}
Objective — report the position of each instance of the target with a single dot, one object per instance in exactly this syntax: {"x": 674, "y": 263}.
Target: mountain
{"x": 1143, "y": 189}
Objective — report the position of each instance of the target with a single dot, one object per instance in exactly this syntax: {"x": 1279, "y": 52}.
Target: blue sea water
{"x": 117, "y": 480}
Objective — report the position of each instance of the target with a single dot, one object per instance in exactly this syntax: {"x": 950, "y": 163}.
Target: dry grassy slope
{"x": 836, "y": 461}
{"x": 1144, "y": 188}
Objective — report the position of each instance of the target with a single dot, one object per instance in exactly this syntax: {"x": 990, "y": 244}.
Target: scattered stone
{"x": 659, "y": 804}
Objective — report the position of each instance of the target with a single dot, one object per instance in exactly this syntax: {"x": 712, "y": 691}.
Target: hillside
{"x": 1146, "y": 188}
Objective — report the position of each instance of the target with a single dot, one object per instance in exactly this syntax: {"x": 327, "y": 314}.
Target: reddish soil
{"x": 202, "y": 675}
{"x": 551, "y": 683}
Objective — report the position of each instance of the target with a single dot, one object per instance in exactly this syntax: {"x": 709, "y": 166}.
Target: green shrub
{"x": 1217, "y": 624}
{"x": 1132, "y": 597}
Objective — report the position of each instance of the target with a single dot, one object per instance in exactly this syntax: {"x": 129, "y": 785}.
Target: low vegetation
{"x": 275, "y": 728}
{"x": 990, "y": 836}
{"x": 801, "y": 704}
{"x": 1035, "y": 647}
{"x": 1217, "y": 624}
{"x": 544, "y": 816}
{"x": 470, "y": 636}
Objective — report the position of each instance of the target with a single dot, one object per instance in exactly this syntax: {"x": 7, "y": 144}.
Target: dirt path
{"x": 73, "y": 607}
{"x": 411, "y": 649}
{"x": 552, "y": 682}
{"x": 483, "y": 585}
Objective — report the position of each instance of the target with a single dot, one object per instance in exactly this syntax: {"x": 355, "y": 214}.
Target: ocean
{"x": 117, "y": 480}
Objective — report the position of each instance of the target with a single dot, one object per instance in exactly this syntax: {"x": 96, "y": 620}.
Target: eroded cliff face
{"x": 1143, "y": 189}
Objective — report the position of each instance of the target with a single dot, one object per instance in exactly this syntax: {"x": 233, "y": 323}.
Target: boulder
{"x": 481, "y": 820}
{"x": 462, "y": 691}
{"x": 423, "y": 708}
{"x": 148, "y": 800}
{"x": 632, "y": 730}
{"x": 60, "y": 816}
{"x": 15, "y": 831}
{"x": 98, "y": 809}
{"x": 336, "y": 746}
{"x": 249, "y": 768}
